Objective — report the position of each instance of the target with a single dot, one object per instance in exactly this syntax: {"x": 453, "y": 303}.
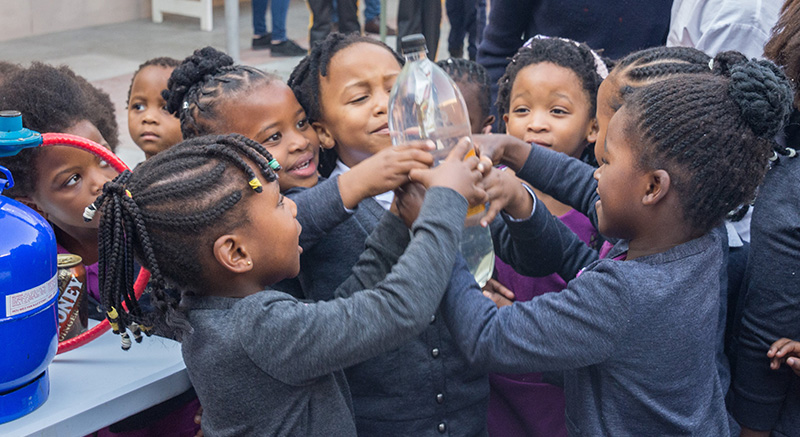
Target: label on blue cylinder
{"x": 27, "y": 300}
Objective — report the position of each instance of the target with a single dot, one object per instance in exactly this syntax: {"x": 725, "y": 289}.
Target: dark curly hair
{"x": 195, "y": 87}
{"x": 164, "y": 62}
{"x": 712, "y": 133}
{"x": 304, "y": 81}
{"x": 464, "y": 71}
{"x": 564, "y": 53}
{"x": 100, "y": 109}
{"x": 7, "y": 69}
{"x": 166, "y": 215}
{"x": 50, "y": 99}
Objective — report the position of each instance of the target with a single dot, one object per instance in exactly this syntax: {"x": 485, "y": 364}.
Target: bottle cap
{"x": 413, "y": 43}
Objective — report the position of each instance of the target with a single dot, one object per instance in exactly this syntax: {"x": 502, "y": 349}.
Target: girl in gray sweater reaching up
{"x": 206, "y": 217}
{"x": 634, "y": 332}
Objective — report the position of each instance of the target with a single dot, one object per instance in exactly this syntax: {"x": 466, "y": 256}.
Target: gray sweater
{"x": 268, "y": 364}
{"x": 635, "y": 340}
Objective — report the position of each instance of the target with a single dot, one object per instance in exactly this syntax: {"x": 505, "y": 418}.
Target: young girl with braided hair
{"x": 344, "y": 85}
{"x": 633, "y": 334}
{"x": 633, "y": 71}
{"x": 206, "y": 217}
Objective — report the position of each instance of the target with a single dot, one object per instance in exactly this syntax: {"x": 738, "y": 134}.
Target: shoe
{"x": 456, "y": 53}
{"x": 287, "y": 48}
{"x": 374, "y": 26}
{"x": 262, "y": 42}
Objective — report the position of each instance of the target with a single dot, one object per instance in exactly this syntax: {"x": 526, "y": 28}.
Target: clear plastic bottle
{"x": 426, "y": 104}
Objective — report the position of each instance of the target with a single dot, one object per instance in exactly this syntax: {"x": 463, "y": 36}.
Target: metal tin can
{"x": 73, "y": 305}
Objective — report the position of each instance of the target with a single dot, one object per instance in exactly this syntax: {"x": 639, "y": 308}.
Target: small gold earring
{"x": 249, "y": 263}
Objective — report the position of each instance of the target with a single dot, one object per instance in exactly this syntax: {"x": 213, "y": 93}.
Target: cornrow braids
{"x": 166, "y": 214}
{"x": 712, "y": 133}
{"x": 163, "y": 61}
{"x": 305, "y": 79}
{"x": 564, "y": 53}
{"x": 196, "y": 86}
{"x": 466, "y": 71}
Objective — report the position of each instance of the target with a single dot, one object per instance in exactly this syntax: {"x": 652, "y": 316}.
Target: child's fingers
{"x": 460, "y": 150}
{"x": 778, "y": 348}
{"x": 794, "y": 363}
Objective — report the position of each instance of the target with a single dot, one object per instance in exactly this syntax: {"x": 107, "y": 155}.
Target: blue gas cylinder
{"x": 28, "y": 289}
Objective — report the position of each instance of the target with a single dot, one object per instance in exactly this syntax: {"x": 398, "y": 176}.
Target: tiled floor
{"x": 108, "y": 55}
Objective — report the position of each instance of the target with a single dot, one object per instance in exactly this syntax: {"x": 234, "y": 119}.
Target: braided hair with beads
{"x": 200, "y": 82}
{"x": 305, "y": 80}
{"x": 166, "y": 214}
{"x": 713, "y": 133}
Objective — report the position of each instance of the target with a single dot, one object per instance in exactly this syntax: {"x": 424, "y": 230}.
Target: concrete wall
{"x": 22, "y": 18}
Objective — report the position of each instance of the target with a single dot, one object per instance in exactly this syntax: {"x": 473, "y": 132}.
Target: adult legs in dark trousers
{"x": 321, "y": 11}
{"x": 420, "y": 16}
{"x": 276, "y": 40}
{"x": 462, "y": 15}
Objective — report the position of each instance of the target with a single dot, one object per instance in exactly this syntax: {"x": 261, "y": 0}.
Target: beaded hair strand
{"x": 165, "y": 215}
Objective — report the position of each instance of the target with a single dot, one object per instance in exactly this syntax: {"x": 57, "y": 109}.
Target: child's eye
{"x": 137, "y": 107}
{"x": 72, "y": 180}
{"x": 273, "y": 138}
{"x": 302, "y": 124}
{"x": 359, "y": 99}
{"x": 521, "y": 110}
{"x": 280, "y": 200}
{"x": 559, "y": 111}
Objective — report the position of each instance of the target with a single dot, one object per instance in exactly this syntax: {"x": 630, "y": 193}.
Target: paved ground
{"x": 108, "y": 55}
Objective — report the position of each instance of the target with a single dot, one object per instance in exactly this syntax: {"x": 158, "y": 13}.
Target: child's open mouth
{"x": 304, "y": 168}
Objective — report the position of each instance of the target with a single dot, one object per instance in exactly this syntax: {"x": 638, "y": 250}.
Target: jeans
{"x": 280, "y": 9}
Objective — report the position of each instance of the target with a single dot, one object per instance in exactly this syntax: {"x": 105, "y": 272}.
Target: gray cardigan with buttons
{"x": 268, "y": 364}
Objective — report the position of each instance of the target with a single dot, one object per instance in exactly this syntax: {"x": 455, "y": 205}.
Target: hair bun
{"x": 204, "y": 62}
{"x": 760, "y": 89}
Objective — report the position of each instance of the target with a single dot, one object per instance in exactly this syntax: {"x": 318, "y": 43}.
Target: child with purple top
{"x": 547, "y": 96}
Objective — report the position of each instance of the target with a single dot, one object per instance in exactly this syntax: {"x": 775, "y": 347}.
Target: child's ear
{"x": 658, "y": 184}
{"x": 30, "y": 203}
{"x": 487, "y": 125}
{"x": 325, "y": 138}
{"x": 505, "y": 119}
{"x": 231, "y": 253}
{"x": 594, "y": 128}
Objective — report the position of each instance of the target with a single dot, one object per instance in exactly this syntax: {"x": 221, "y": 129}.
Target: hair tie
{"x": 600, "y": 67}
{"x": 275, "y": 165}
{"x": 711, "y": 64}
{"x": 113, "y": 318}
{"x": 128, "y": 193}
{"x": 774, "y": 156}
{"x": 89, "y": 212}
{"x": 185, "y": 104}
{"x": 255, "y": 184}
{"x": 792, "y": 152}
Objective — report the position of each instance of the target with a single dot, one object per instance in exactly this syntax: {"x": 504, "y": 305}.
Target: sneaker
{"x": 262, "y": 42}
{"x": 374, "y": 26}
{"x": 287, "y": 48}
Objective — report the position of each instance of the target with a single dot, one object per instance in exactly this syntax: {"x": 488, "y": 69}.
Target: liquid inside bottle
{"x": 425, "y": 103}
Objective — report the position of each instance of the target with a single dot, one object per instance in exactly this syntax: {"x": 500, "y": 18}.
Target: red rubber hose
{"x": 51, "y": 139}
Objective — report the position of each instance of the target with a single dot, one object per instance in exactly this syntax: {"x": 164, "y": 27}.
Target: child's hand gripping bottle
{"x": 426, "y": 104}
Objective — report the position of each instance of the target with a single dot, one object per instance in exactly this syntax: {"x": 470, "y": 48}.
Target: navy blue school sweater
{"x": 423, "y": 387}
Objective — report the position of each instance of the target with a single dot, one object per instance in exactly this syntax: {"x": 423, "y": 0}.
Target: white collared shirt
{"x": 714, "y": 26}
{"x": 384, "y": 199}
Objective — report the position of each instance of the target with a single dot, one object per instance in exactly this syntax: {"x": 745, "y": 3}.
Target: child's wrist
{"x": 515, "y": 153}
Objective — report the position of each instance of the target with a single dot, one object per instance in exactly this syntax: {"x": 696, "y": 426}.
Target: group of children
{"x": 605, "y": 214}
